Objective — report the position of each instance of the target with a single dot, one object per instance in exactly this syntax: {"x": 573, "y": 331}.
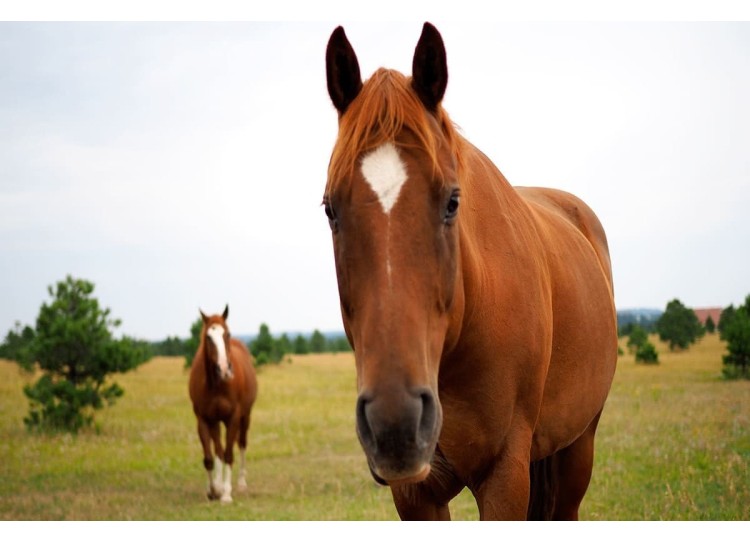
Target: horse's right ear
{"x": 342, "y": 71}
{"x": 205, "y": 318}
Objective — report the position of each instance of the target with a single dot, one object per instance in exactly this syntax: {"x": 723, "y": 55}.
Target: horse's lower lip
{"x": 413, "y": 479}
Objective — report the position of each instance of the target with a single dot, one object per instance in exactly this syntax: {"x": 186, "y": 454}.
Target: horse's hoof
{"x": 241, "y": 485}
{"x": 212, "y": 496}
{"x": 226, "y": 499}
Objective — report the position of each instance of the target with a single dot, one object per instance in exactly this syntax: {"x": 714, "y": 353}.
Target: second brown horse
{"x": 223, "y": 389}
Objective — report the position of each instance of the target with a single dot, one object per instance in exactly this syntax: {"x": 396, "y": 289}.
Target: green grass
{"x": 674, "y": 440}
{"x": 673, "y": 443}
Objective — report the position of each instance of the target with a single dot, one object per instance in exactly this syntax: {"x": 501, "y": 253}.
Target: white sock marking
{"x": 385, "y": 172}
{"x": 227, "y": 488}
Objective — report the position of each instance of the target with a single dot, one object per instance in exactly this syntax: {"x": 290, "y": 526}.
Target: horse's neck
{"x": 212, "y": 379}
{"x": 495, "y": 223}
{"x": 493, "y": 207}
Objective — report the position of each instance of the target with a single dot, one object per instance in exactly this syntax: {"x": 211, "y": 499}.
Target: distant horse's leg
{"x": 573, "y": 472}
{"x": 232, "y": 430}
{"x": 208, "y": 458}
{"x": 242, "y": 441}
{"x": 428, "y": 500}
{"x": 217, "y": 486}
{"x": 503, "y": 493}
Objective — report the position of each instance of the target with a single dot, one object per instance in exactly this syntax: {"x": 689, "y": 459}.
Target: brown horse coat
{"x": 222, "y": 395}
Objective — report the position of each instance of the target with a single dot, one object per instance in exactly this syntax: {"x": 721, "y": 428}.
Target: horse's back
{"x": 578, "y": 214}
{"x": 584, "y": 351}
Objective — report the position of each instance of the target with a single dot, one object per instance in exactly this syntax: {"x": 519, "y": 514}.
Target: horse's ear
{"x": 205, "y": 318}
{"x": 429, "y": 68}
{"x": 342, "y": 71}
{"x": 225, "y": 315}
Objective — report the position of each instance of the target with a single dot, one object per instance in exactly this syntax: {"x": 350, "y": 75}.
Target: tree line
{"x": 265, "y": 348}
{"x": 679, "y": 327}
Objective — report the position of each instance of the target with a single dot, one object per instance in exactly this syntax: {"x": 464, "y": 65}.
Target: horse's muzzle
{"x": 398, "y": 432}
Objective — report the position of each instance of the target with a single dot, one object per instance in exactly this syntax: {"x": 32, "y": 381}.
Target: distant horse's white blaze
{"x": 385, "y": 172}
{"x": 216, "y": 334}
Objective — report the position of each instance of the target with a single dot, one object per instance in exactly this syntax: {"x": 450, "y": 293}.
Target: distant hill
{"x": 246, "y": 338}
{"x": 645, "y": 318}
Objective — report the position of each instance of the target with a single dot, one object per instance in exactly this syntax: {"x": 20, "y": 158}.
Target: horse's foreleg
{"x": 232, "y": 429}
{"x": 217, "y": 486}
{"x": 204, "y": 433}
{"x": 428, "y": 500}
{"x": 503, "y": 493}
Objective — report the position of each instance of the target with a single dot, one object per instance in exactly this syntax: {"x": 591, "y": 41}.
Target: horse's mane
{"x": 385, "y": 106}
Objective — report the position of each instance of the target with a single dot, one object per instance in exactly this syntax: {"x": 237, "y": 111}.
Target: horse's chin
{"x": 398, "y": 480}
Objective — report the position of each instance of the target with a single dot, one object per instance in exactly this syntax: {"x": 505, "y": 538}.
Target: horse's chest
{"x": 218, "y": 409}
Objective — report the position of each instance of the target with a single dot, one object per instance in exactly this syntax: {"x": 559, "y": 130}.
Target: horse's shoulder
{"x": 239, "y": 344}
{"x": 243, "y": 356}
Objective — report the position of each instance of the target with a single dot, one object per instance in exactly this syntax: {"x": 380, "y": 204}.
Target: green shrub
{"x": 647, "y": 354}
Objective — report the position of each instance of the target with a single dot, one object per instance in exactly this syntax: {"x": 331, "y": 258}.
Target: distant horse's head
{"x": 215, "y": 340}
{"x": 392, "y": 200}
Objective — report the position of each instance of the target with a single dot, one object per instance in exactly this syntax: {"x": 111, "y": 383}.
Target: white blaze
{"x": 385, "y": 173}
{"x": 216, "y": 334}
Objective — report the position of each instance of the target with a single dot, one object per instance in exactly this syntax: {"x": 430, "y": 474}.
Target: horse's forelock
{"x": 385, "y": 106}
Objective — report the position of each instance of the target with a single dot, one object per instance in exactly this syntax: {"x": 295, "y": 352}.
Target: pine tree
{"x": 300, "y": 345}
{"x": 317, "y": 342}
{"x": 679, "y": 326}
{"x": 74, "y": 347}
{"x": 262, "y": 347}
{"x": 638, "y": 337}
{"x": 737, "y": 334}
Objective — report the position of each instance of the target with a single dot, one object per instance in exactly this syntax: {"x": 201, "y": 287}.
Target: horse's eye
{"x": 451, "y": 209}
{"x": 331, "y": 214}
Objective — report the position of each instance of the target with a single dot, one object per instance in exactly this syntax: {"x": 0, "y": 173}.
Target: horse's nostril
{"x": 363, "y": 424}
{"x": 427, "y": 421}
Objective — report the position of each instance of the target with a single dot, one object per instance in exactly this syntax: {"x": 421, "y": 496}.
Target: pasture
{"x": 673, "y": 444}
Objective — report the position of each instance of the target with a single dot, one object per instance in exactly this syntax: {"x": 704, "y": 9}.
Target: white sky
{"x": 182, "y": 165}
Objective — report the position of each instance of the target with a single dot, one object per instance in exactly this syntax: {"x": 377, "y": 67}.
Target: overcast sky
{"x": 182, "y": 165}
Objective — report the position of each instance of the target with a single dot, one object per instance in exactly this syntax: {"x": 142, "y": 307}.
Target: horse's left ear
{"x": 225, "y": 314}
{"x": 429, "y": 68}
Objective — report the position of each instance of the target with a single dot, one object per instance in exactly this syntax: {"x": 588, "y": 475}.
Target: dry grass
{"x": 674, "y": 443}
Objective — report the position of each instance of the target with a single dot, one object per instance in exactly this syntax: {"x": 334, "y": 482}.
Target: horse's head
{"x": 392, "y": 200}
{"x": 215, "y": 340}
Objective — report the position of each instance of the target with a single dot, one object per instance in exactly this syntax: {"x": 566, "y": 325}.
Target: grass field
{"x": 673, "y": 444}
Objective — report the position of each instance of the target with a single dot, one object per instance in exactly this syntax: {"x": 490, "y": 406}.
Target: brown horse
{"x": 481, "y": 315}
{"x": 223, "y": 389}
